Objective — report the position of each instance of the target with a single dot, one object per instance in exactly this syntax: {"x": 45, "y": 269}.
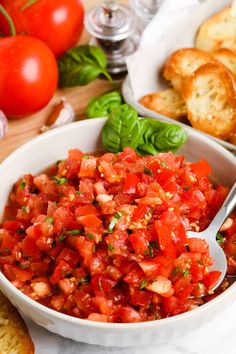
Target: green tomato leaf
{"x": 81, "y": 65}
{"x": 102, "y": 106}
{"x": 121, "y": 129}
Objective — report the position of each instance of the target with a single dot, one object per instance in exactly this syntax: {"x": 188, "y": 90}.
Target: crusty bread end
{"x": 211, "y": 100}
{"x": 14, "y": 335}
{"x": 182, "y": 64}
{"x": 218, "y": 31}
{"x": 168, "y": 103}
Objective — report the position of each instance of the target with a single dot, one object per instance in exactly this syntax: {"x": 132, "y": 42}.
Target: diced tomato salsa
{"x": 104, "y": 237}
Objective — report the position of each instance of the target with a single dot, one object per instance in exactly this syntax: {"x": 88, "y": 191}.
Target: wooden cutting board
{"x": 20, "y": 131}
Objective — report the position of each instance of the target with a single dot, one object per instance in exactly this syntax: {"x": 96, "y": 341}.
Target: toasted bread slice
{"x": 183, "y": 63}
{"x": 14, "y": 335}
{"x": 232, "y": 138}
{"x": 211, "y": 100}
{"x": 218, "y": 31}
{"x": 227, "y": 58}
{"x": 168, "y": 102}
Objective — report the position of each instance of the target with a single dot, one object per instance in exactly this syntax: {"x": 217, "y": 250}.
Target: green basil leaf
{"x": 121, "y": 129}
{"x": 158, "y": 137}
{"x": 81, "y": 65}
{"x": 102, "y": 106}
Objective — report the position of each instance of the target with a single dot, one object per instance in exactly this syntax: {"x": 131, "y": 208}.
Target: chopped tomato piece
{"x": 16, "y": 273}
{"x": 197, "y": 245}
{"x": 211, "y": 279}
{"x": 131, "y": 183}
{"x": 201, "y": 168}
{"x": 61, "y": 270}
{"x": 90, "y": 220}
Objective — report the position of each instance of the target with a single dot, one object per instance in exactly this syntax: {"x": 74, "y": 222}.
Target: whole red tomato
{"x": 28, "y": 75}
{"x": 59, "y": 23}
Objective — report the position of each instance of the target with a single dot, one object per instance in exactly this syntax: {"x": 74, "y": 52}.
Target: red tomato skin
{"x": 57, "y": 23}
{"x": 131, "y": 183}
{"x": 201, "y": 168}
{"x": 28, "y": 75}
{"x": 211, "y": 279}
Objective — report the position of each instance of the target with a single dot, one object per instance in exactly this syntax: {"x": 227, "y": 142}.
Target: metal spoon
{"x": 216, "y": 252}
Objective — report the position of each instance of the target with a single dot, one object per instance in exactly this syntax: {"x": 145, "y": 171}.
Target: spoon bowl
{"x": 216, "y": 252}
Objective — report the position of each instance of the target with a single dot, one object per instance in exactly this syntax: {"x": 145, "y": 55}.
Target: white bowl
{"x": 52, "y": 146}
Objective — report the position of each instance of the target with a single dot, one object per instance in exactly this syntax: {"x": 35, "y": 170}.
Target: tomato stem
{"x": 28, "y": 4}
{"x": 9, "y": 20}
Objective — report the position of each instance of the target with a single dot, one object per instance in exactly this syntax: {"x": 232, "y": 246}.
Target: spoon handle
{"x": 226, "y": 209}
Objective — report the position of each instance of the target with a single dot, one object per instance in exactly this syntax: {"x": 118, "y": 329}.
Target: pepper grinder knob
{"x": 109, "y": 6}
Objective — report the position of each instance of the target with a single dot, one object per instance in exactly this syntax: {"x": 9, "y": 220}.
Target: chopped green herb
{"x": 58, "y": 163}
{"x": 90, "y": 236}
{"x": 143, "y": 284}
{"x": 54, "y": 244}
{"x": 63, "y": 273}
{"x": 73, "y": 232}
{"x": 151, "y": 250}
{"x": 84, "y": 280}
{"x": 110, "y": 247}
{"x": 146, "y": 253}
{"x": 61, "y": 238}
{"x": 147, "y": 171}
{"x": 25, "y": 209}
{"x": 100, "y": 285}
{"x": 154, "y": 244}
{"x": 220, "y": 238}
{"x": 94, "y": 248}
{"x": 20, "y": 232}
{"x": 163, "y": 164}
{"x": 185, "y": 273}
{"x": 176, "y": 271}
{"x": 22, "y": 183}
{"x": 187, "y": 188}
{"x": 114, "y": 220}
{"x": 49, "y": 219}
{"x": 78, "y": 193}
{"x": 59, "y": 180}
{"x": 24, "y": 266}
{"x": 6, "y": 250}
{"x": 85, "y": 157}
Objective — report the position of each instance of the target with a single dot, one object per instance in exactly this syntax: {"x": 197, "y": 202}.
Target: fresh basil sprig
{"x": 121, "y": 129}
{"x": 102, "y": 106}
{"x": 158, "y": 137}
{"x": 81, "y": 65}
{"x": 147, "y": 136}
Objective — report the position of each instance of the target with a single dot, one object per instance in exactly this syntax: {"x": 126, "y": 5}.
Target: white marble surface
{"x": 217, "y": 337}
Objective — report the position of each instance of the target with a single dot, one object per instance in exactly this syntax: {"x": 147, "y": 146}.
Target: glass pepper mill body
{"x": 145, "y": 10}
{"x": 113, "y": 28}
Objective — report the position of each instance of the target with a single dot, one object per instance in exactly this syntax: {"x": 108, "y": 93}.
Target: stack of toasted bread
{"x": 14, "y": 335}
{"x": 203, "y": 80}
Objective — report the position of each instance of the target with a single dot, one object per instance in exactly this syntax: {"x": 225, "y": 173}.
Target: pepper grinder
{"x": 113, "y": 28}
{"x": 145, "y": 11}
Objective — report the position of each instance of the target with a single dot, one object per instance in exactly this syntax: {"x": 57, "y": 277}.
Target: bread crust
{"x": 14, "y": 335}
{"x": 168, "y": 103}
{"x": 227, "y": 58}
{"x": 218, "y": 31}
{"x": 211, "y": 100}
{"x": 182, "y": 63}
